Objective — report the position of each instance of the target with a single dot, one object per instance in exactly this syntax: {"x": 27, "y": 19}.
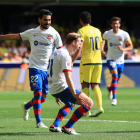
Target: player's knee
{"x": 90, "y": 103}
{"x": 37, "y": 96}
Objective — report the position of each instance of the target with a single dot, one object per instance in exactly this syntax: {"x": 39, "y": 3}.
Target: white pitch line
{"x": 105, "y": 111}
{"x": 117, "y": 121}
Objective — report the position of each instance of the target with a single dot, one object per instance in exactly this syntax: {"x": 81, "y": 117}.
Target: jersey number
{"x": 50, "y": 65}
{"x": 97, "y": 41}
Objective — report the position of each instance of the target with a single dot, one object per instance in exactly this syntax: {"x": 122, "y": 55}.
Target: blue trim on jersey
{"x": 66, "y": 96}
{"x": 38, "y": 80}
{"x": 113, "y": 65}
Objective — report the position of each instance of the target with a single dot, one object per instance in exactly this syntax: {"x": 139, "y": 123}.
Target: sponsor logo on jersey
{"x": 49, "y": 37}
{"x": 34, "y": 84}
{"x": 40, "y": 43}
{"x": 111, "y": 44}
{"x": 35, "y": 42}
{"x": 120, "y": 39}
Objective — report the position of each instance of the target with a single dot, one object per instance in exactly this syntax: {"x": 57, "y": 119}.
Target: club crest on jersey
{"x": 34, "y": 84}
{"x": 120, "y": 39}
{"x": 68, "y": 64}
{"x": 49, "y": 37}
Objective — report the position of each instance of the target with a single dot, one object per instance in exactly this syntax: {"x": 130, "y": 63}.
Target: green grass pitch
{"x": 121, "y": 122}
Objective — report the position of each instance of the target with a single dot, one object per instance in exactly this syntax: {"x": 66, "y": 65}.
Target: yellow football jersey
{"x": 91, "y": 38}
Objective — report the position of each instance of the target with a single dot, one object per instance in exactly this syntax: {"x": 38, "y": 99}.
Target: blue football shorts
{"x": 66, "y": 96}
{"x": 38, "y": 80}
{"x": 113, "y": 65}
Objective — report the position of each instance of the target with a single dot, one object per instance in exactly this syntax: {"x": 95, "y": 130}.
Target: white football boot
{"x": 25, "y": 112}
{"x": 110, "y": 95}
{"x": 41, "y": 125}
{"x": 114, "y": 102}
{"x": 69, "y": 131}
{"x": 55, "y": 129}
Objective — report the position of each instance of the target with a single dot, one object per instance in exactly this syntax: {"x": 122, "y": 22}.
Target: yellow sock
{"x": 98, "y": 96}
{"x": 86, "y": 91}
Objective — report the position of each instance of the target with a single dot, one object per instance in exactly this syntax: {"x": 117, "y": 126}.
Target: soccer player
{"x": 61, "y": 86}
{"x": 43, "y": 41}
{"x": 116, "y": 39}
{"x": 91, "y": 61}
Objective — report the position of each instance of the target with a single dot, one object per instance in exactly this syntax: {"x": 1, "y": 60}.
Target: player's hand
{"x": 77, "y": 96}
{"x": 103, "y": 54}
{"x": 58, "y": 101}
{"x": 120, "y": 48}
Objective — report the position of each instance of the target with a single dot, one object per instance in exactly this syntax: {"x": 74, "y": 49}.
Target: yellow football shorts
{"x": 90, "y": 73}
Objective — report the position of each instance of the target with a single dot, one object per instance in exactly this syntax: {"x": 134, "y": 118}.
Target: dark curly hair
{"x": 44, "y": 12}
{"x": 85, "y": 17}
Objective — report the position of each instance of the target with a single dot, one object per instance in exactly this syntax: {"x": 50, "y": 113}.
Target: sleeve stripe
{"x": 20, "y": 36}
{"x": 67, "y": 70}
{"x": 59, "y": 47}
{"x": 128, "y": 42}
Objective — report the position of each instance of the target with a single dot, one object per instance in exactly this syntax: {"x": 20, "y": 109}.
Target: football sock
{"x": 63, "y": 112}
{"x": 109, "y": 88}
{"x": 37, "y": 105}
{"x": 98, "y": 96}
{"x": 86, "y": 91}
{"x": 30, "y": 103}
{"x": 78, "y": 113}
{"x": 114, "y": 85}
{"x": 43, "y": 99}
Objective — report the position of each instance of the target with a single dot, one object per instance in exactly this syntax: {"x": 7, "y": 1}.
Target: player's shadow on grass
{"x": 113, "y": 132}
{"x": 29, "y": 133}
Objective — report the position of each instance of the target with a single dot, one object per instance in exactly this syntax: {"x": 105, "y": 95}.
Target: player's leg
{"x": 45, "y": 88}
{"x": 114, "y": 72}
{"x": 95, "y": 80}
{"x": 78, "y": 113}
{"x": 45, "y": 91}
{"x": 84, "y": 78}
{"x": 114, "y": 84}
{"x": 63, "y": 112}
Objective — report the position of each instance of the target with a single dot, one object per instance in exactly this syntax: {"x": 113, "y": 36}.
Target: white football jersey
{"x": 59, "y": 62}
{"x": 114, "y": 40}
{"x": 42, "y": 43}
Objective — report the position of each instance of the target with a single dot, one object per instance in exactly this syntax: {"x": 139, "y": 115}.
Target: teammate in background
{"x": 43, "y": 40}
{"x": 61, "y": 86}
{"x": 91, "y": 61}
{"x": 116, "y": 41}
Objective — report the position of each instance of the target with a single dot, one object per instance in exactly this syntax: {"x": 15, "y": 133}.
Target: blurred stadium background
{"x": 20, "y": 15}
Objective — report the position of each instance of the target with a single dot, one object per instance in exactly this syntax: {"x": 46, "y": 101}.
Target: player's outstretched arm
{"x": 9, "y": 37}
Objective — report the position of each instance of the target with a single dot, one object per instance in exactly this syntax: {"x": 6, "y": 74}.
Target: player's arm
{"x": 102, "y": 44}
{"x": 9, "y": 37}
{"x": 128, "y": 48}
{"x": 76, "y": 54}
{"x": 58, "y": 101}
{"x": 69, "y": 82}
{"x": 71, "y": 87}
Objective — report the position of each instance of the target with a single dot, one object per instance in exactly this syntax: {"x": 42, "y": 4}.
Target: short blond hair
{"x": 71, "y": 37}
